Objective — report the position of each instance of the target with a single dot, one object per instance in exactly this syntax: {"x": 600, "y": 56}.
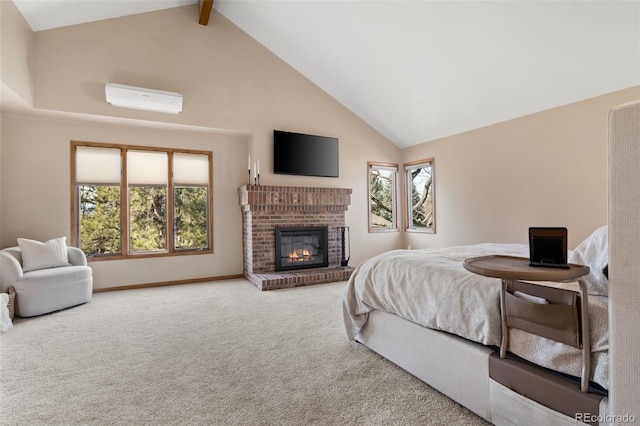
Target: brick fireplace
{"x": 265, "y": 208}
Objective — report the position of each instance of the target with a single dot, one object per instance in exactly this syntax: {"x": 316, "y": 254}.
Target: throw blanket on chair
{"x": 5, "y": 319}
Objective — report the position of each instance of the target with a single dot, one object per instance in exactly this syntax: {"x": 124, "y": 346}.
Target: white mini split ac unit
{"x": 145, "y": 99}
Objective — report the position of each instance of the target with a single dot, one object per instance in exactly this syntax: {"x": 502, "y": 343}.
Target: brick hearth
{"x": 265, "y": 207}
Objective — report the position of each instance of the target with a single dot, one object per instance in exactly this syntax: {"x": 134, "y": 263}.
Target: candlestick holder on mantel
{"x": 256, "y": 171}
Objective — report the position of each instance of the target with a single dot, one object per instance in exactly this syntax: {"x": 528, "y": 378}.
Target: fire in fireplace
{"x": 302, "y": 248}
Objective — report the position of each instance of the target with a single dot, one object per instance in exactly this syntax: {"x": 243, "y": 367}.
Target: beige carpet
{"x": 219, "y": 353}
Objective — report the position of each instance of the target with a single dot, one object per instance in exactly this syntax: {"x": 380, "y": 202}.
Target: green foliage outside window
{"x": 190, "y": 205}
{"x": 147, "y": 218}
{"x": 100, "y": 227}
{"x": 100, "y": 219}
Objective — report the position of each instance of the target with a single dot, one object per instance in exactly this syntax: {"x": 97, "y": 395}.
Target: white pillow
{"x": 594, "y": 253}
{"x": 37, "y": 255}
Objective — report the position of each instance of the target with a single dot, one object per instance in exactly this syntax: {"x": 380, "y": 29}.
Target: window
{"x": 420, "y": 205}
{"x": 382, "y": 197}
{"x": 99, "y": 199}
{"x": 147, "y": 185}
{"x": 167, "y": 194}
{"x": 190, "y": 201}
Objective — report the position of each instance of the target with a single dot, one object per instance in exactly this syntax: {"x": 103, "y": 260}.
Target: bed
{"x": 388, "y": 308}
{"x": 426, "y": 299}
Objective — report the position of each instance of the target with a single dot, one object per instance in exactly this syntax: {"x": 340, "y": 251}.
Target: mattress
{"x": 431, "y": 288}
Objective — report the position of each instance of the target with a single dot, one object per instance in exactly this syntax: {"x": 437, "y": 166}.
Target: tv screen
{"x": 304, "y": 155}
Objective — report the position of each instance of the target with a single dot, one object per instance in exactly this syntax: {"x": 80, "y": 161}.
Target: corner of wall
{"x": 17, "y": 44}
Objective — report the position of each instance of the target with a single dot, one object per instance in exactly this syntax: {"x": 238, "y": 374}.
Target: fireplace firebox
{"x": 302, "y": 248}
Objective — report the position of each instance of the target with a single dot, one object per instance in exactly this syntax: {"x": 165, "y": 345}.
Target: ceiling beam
{"x": 205, "y": 11}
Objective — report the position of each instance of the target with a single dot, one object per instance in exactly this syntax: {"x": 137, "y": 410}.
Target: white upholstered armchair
{"x": 45, "y": 290}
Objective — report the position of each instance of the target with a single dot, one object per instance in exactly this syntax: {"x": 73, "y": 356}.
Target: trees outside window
{"x": 420, "y": 202}
{"x": 159, "y": 187}
{"x": 383, "y": 184}
{"x": 100, "y": 219}
{"x": 190, "y": 204}
{"x": 147, "y": 182}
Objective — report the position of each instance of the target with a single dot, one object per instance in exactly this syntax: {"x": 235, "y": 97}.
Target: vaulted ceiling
{"x": 422, "y": 70}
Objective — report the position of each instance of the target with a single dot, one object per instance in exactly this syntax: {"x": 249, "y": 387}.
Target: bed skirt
{"x": 458, "y": 368}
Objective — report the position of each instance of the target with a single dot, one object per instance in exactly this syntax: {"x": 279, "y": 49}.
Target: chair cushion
{"x": 47, "y": 290}
{"x": 56, "y": 276}
{"x": 37, "y": 255}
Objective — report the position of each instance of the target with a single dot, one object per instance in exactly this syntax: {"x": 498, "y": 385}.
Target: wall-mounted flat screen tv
{"x": 304, "y": 155}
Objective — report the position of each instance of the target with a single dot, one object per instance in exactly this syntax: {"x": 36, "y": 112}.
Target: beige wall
{"x": 36, "y": 193}
{"x": 491, "y": 183}
{"x": 37, "y": 158}
{"x": 544, "y": 169}
{"x": 17, "y": 45}
{"x": 1, "y": 179}
{"x": 229, "y": 82}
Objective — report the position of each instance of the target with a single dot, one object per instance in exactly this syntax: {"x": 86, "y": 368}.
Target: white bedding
{"x": 431, "y": 288}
